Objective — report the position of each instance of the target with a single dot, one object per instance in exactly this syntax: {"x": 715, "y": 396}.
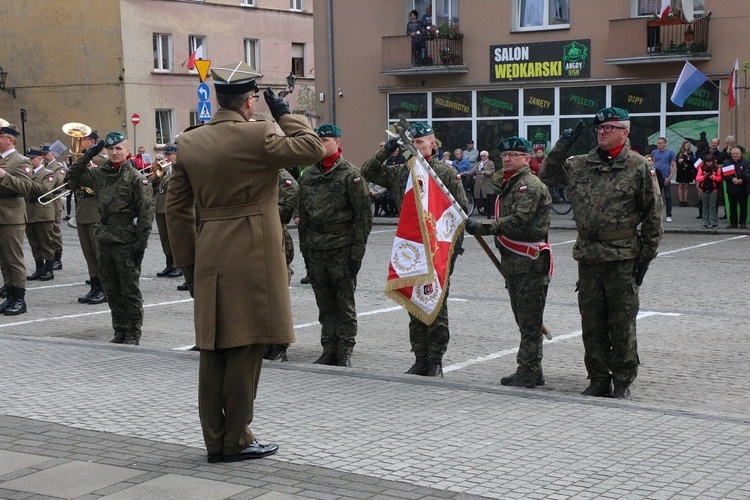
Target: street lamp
{"x": 290, "y": 79}
{"x": 3, "y": 77}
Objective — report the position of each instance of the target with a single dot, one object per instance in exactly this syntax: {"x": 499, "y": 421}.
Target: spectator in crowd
{"x": 427, "y": 17}
{"x": 447, "y": 158}
{"x": 665, "y": 162}
{"x": 471, "y": 153}
{"x": 713, "y": 149}
{"x": 536, "y": 161}
{"x": 685, "y": 172}
{"x": 484, "y": 195}
{"x": 141, "y": 159}
{"x": 708, "y": 180}
{"x": 463, "y": 166}
{"x": 735, "y": 174}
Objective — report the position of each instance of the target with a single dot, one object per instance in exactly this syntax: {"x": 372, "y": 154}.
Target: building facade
{"x": 489, "y": 69}
{"x": 99, "y": 62}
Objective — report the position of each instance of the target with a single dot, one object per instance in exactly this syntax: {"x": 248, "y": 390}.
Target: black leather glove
{"x": 570, "y": 136}
{"x": 188, "y": 272}
{"x": 278, "y": 106}
{"x": 138, "y": 257}
{"x": 94, "y": 150}
{"x": 641, "y": 266}
{"x": 471, "y": 226}
{"x": 354, "y": 267}
{"x": 391, "y": 145}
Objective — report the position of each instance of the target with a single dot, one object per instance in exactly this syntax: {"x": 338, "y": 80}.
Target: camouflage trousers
{"x": 288, "y": 246}
{"x": 119, "y": 276}
{"x": 528, "y": 295}
{"x": 334, "y": 287}
{"x": 608, "y": 301}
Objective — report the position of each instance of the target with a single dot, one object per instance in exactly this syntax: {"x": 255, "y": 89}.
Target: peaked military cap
{"x": 328, "y": 130}
{"x": 33, "y": 152}
{"x": 420, "y": 129}
{"x": 235, "y": 79}
{"x": 9, "y": 129}
{"x": 170, "y": 149}
{"x": 610, "y": 114}
{"x": 114, "y": 138}
{"x": 93, "y": 135}
{"x": 514, "y": 144}
{"x": 45, "y": 147}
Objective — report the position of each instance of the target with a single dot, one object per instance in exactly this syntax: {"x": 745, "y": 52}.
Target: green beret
{"x": 420, "y": 129}
{"x": 611, "y": 114}
{"x": 328, "y": 130}
{"x": 514, "y": 144}
{"x": 114, "y": 138}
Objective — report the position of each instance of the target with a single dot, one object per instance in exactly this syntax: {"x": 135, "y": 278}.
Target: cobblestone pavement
{"x": 85, "y": 419}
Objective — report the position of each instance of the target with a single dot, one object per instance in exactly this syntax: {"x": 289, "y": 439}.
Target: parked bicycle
{"x": 561, "y": 199}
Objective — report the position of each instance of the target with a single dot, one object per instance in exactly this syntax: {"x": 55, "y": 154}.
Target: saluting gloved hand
{"x": 571, "y": 135}
{"x": 188, "y": 272}
{"x": 471, "y": 226}
{"x": 354, "y": 267}
{"x": 391, "y": 145}
{"x": 278, "y": 106}
{"x": 94, "y": 150}
{"x": 641, "y": 266}
{"x": 138, "y": 257}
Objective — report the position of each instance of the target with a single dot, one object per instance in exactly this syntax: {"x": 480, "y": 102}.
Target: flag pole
{"x": 402, "y": 128}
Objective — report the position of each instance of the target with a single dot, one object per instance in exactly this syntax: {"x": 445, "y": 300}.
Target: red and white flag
{"x": 728, "y": 170}
{"x": 732, "y": 91}
{"x": 428, "y": 228}
{"x": 666, "y": 8}
{"x": 198, "y": 54}
{"x": 698, "y": 164}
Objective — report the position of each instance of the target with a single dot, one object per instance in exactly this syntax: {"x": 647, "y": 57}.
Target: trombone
{"x": 76, "y": 131}
{"x": 158, "y": 168}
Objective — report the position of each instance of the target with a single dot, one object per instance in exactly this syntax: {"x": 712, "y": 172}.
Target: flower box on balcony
{"x": 664, "y": 22}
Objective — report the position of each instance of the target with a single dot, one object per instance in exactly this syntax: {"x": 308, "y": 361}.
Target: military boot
{"x": 345, "y": 359}
{"x": 39, "y": 270}
{"x": 305, "y": 280}
{"x": 85, "y": 299}
{"x": 176, "y": 272}
{"x": 599, "y": 387}
{"x": 327, "y": 358}
{"x": 57, "y": 262}
{"x": 2, "y": 292}
{"x": 97, "y": 295}
{"x": 47, "y": 275}
{"x": 419, "y": 367}
{"x": 434, "y": 367}
{"x": 183, "y": 287}
{"x": 278, "y": 353}
{"x": 170, "y": 267}
{"x": 8, "y": 299}
{"x": 513, "y": 380}
{"x": 622, "y": 392}
{"x": 19, "y": 303}
{"x": 267, "y": 350}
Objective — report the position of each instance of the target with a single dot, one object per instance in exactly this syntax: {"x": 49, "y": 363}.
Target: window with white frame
{"x": 164, "y": 126}
{"x": 691, "y": 8}
{"x": 162, "y": 52}
{"x": 252, "y": 53}
{"x": 441, "y": 11}
{"x": 298, "y": 59}
{"x": 247, "y": 3}
{"x": 197, "y": 46}
{"x": 194, "y": 117}
{"x": 541, "y": 14}
{"x": 295, "y": 5}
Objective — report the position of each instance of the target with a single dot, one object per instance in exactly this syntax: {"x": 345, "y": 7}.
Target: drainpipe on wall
{"x": 331, "y": 83}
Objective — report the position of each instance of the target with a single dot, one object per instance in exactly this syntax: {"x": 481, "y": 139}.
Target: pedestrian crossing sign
{"x": 204, "y": 111}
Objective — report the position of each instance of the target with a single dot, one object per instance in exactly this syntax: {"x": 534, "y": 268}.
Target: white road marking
{"x": 702, "y": 245}
{"x": 562, "y": 243}
{"x": 64, "y": 285}
{"x": 556, "y": 338}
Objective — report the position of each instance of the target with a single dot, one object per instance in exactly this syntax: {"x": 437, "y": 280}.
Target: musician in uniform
{"x": 123, "y": 195}
{"x": 234, "y": 262}
{"x": 160, "y": 181}
{"x": 60, "y": 170}
{"x": 522, "y": 230}
{"x": 40, "y": 217}
{"x": 87, "y": 215}
{"x": 15, "y": 184}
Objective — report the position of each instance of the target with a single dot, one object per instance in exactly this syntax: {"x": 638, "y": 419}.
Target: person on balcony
{"x": 414, "y": 30}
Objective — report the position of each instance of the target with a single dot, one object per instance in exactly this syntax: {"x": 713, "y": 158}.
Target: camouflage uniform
{"x": 524, "y": 216}
{"x": 288, "y": 197}
{"x": 335, "y": 221}
{"x": 122, "y": 195}
{"x": 611, "y": 197}
{"x": 426, "y": 340}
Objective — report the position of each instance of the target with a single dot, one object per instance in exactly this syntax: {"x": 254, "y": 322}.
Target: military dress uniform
{"x": 122, "y": 195}
{"x": 335, "y": 220}
{"x": 14, "y": 187}
{"x": 87, "y": 215}
{"x": 428, "y": 342}
{"x": 522, "y": 230}
{"x": 160, "y": 183}
{"x": 611, "y": 196}
{"x": 60, "y": 170}
{"x": 40, "y": 221}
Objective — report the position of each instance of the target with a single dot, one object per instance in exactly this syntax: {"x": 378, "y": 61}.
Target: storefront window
{"x": 497, "y": 103}
{"x": 412, "y": 106}
{"x": 644, "y": 130}
{"x": 451, "y": 104}
{"x": 539, "y": 102}
{"x": 582, "y": 100}
{"x": 697, "y": 129}
{"x": 490, "y": 132}
{"x": 706, "y": 98}
{"x": 586, "y": 141}
{"x": 637, "y": 98}
{"x": 453, "y": 134}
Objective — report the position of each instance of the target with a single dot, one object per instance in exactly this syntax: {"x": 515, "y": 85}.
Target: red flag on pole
{"x": 733, "y": 97}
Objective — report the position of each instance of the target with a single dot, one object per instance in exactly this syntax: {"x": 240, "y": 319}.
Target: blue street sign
{"x": 203, "y": 91}
{"x": 204, "y": 111}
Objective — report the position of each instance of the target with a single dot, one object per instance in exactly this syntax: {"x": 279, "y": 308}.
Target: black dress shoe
{"x": 176, "y": 272}
{"x": 214, "y": 458}
{"x": 327, "y": 358}
{"x": 165, "y": 272}
{"x": 255, "y": 450}
{"x": 183, "y": 287}
{"x": 305, "y": 280}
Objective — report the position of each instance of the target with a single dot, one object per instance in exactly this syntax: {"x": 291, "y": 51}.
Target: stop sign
{"x": 136, "y": 119}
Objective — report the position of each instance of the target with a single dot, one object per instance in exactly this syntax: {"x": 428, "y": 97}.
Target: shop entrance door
{"x": 540, "y": 132}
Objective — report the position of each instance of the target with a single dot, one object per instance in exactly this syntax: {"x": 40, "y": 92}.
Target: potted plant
{"x": 445, "y": 54}
{"x": 689, "y": 34}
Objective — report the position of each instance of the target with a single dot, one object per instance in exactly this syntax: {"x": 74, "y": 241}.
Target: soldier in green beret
{"x": 125, "y": 201}
{"x": 614, "y": 190}
{"x": 335, "y": 220}
{"x": 522, "y": 231}
{"x": 428, "y": 342}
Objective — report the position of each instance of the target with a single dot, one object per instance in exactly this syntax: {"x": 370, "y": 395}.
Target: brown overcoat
{"x": 231, "y": 167}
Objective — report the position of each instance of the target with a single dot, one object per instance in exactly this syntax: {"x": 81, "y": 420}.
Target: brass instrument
{"x": 160, "y": 167}
{"x": 63, "y": 188}
{"x": 76, "y": 131}
{"x": 4, "y": 123}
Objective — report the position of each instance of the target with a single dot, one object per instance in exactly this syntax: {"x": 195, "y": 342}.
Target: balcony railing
{"x": 438, "y": 51}
{"x": 436, "y": 55}
{"x": 673, "y": 36}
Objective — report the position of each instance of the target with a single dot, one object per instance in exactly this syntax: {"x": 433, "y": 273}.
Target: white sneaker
{"x": 669, "y": 219}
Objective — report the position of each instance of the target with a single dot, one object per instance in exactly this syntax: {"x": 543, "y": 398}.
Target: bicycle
{"x": 561, "y": 204}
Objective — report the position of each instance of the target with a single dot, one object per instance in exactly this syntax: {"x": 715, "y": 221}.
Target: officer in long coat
{"x": 234, "y": 260}
{"x": 15, "y": 184}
